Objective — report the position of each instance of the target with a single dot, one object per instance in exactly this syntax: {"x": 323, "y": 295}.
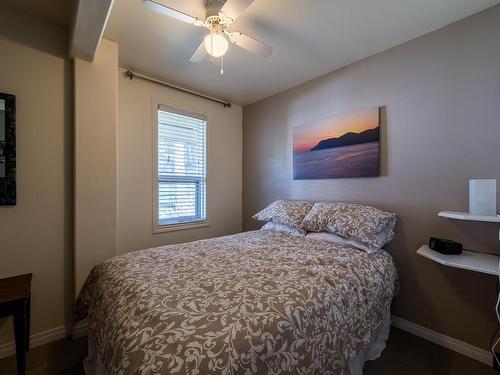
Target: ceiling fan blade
{"x": 250, "y": 44}
{"x": 170, "y": 12}
{"x": 199, "y": 54}
{"x": 235, "y": 8}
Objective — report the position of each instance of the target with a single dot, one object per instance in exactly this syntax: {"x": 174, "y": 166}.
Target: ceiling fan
{"x": 220, "y": 14}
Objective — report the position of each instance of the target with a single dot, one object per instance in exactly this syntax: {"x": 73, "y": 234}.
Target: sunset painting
{"x": 341, "y": 146}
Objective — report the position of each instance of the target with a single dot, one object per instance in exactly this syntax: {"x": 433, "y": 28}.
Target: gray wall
{"x": 440, "y": 95}
{"x": 36, "y": 234}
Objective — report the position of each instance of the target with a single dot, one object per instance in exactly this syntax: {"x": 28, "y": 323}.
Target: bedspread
{"x": 258, "y": 302}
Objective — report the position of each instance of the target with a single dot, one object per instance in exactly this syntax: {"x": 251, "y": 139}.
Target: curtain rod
{"x": 130, "y": 74}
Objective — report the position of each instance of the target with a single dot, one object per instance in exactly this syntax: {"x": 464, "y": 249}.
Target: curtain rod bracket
{"x": 131, "y": 75}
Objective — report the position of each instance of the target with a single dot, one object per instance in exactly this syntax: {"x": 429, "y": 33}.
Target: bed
{"x": 257, "y": 302}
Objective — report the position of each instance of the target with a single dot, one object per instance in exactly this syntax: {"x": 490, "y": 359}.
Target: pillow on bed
{"x": 289, "y": 229}
{"x": 285, "y": 212}
{"x": 368, "y": 225}
{"x": 333, "y": 238}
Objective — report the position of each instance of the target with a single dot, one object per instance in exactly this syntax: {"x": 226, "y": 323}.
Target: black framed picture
{"x": 7, "y": 150}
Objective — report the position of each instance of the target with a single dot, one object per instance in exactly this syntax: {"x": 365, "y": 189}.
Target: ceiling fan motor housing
{"x": 213, "y": 7}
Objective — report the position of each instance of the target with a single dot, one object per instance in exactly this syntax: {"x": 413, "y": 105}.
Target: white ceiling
{"x": 310, "y": 38}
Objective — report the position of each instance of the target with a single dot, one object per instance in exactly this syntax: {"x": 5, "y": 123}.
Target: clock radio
{"x": 443, "y": 246}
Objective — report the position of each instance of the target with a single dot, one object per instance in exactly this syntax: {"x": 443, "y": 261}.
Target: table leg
{"x": 28, "y": 319}
{"x": 20, "y": 335}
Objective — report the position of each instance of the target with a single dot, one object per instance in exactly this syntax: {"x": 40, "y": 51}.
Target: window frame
{"x": 159, "y": 227}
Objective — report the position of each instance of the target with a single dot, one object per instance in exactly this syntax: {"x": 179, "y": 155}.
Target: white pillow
{"x": 333, "y": 238}
{"x": 285, "y": 228}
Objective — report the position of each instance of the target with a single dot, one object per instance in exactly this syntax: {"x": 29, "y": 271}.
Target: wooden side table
{"x": 15, "y": 299}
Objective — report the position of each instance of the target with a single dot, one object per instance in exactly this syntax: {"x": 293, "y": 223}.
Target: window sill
{"x": 182, "y": 226}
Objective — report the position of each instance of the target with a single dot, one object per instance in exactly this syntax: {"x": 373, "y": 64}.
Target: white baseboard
{"x": 448, "y": 342}
{"x": 471, "y": 351}
{"x": 80, "y": 330}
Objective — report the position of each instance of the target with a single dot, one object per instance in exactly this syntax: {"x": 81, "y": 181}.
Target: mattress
{"x": 252, "y": 303}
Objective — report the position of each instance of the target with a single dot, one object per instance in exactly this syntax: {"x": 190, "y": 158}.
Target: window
{"x": 181, "y": 167}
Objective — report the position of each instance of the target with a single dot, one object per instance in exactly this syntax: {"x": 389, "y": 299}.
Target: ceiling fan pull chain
{"x": 222, "y": 64}
{"x": 211, "y": 46}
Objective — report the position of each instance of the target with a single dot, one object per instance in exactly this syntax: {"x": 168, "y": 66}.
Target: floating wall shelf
{"x": 468, "y": 260}
{"x": 468, "y": 216}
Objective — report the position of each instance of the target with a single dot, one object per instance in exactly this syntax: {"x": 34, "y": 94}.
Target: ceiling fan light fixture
{"x": 216, "y": 44}
{"x": 219, "y": 16}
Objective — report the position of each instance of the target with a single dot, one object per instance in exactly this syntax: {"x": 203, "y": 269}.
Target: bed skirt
{"x": 93, "y": 364}
{"x": 374, "y": 350}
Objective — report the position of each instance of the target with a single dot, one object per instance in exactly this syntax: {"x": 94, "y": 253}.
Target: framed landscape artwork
{"x": 338, "y": 147}
{"x": 7, "y": 150}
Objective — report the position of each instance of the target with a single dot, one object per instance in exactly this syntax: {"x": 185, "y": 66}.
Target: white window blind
{"x": 181, "y": 167}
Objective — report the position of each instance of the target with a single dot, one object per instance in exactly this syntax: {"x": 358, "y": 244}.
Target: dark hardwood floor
{"x": 58, "y": 357}
{"x": 405, "y": 355}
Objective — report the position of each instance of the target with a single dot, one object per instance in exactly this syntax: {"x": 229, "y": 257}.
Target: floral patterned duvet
{"x": 258, "y": 302}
